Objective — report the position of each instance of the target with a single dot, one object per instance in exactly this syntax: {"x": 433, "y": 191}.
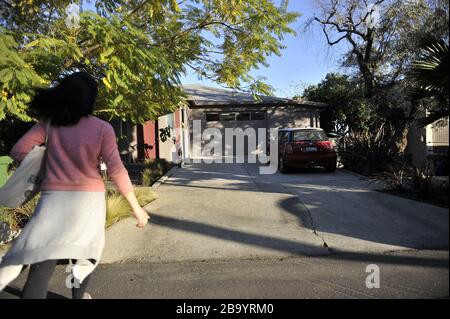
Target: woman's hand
{"x": 138, "y": 212}
{"x": 141, "y": 216}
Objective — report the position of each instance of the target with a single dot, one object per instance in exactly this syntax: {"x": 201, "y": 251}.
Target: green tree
{"x": 137, "y": 49}
{"x": 345, "y": 110}
{"x": 430, "y": 79}
{"x": 383, "y": 37}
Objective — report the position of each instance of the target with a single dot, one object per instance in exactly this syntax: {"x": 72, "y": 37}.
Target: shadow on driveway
{"x": 330, "y": 204}
{"x": 286, "y": 245}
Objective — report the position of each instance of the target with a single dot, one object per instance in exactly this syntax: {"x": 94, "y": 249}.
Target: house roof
{"x": 290, "y": 129}
{"x": 201, "y": 95}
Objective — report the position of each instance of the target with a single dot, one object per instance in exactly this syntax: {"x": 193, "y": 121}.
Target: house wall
{"x": 131, "y": 138}
{"x": 437, "y": 137}
{"x": 429, "y": 145}
{"x": 177, "y": 118}
{"x": 127, "y": 140}
{"x": 289, "y": 116}
{"x": 276, "y": 117}
{"x": 167, "y": 149}
{"x": 416, "y": 146}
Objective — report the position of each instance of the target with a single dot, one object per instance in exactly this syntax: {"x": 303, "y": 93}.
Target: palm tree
{"x": 430, "y": 74}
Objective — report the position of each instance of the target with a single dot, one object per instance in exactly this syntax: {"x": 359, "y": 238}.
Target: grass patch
{"x": 118, "y": 208}
{"x": 18, "y": 217}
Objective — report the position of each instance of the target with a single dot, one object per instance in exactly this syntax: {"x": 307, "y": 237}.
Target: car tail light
{"x": 289, "y": 149}
{"x": 327, "y": 145}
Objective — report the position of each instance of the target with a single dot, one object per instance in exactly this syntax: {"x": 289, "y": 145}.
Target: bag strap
{"x": 47, "y": 132}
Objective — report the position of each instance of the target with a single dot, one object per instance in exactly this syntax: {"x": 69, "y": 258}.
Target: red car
{"x": 305, "y": 147}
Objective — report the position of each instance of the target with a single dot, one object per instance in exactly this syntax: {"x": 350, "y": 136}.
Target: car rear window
{"x": 312, "y": 135}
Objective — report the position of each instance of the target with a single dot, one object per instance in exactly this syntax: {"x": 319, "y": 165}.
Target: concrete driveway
{"x": 229, "y": 211}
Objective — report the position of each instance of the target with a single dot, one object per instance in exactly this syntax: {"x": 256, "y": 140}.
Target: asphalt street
{"x": 226, "y": 231}
{"x": 406, "y": 274}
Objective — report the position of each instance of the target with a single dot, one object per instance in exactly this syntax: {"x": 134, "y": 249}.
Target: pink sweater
{"x": 73, "y": 153}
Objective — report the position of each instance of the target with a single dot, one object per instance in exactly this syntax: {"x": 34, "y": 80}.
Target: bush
{"x": 416, "y": 183}
{"x": 11, "y": 130}
{"x": 6, "y": 217}
{"x": 367, "y": 153}
{"x": 18, "y": 217}
{"x": 422, "y": 182}
{"x": 402, "y": 176}
{"x": 153, "y": 170}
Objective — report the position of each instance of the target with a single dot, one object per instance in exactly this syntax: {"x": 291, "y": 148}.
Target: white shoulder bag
{"x": 26, "y": 181}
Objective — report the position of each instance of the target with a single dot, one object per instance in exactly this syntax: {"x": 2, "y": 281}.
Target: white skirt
{"x": 65, "y": 225}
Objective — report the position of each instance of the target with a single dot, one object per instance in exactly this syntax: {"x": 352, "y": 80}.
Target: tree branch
{"x": 339, "y": 28}
{"x": 324, "y": 29}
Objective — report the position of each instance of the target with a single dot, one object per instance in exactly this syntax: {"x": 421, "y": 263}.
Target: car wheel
{"x": 282, "y": 165}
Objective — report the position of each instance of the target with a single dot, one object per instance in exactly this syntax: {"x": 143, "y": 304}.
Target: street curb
{"x": 368, "y": 179}
{"x": 163, "y": 178}
{"x": 354, "y": 174}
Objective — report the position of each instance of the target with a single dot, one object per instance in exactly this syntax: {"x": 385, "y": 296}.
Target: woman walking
{"x": 69, "y": 220}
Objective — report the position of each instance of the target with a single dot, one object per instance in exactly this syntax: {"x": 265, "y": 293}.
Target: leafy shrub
{"x": 422, "y": 181}
{"x": 153, "y": 170}
{"x": 6, "y": 217}
{"x": 416, "y": 183}
{"x": 396, "y": 176}
{"x": 367, "y": 153}
{"x": 18, "y": 217}
{"x": 404, "y": 176}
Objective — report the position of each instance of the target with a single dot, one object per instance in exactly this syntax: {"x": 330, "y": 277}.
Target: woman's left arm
{"x": 35, "y": 136}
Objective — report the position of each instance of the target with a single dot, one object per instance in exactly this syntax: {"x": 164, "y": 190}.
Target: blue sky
{"x": 306, "y": 60}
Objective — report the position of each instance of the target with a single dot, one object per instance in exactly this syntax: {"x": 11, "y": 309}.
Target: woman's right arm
{"x": 119, "y": 175}
{"x": 139, "y": 213}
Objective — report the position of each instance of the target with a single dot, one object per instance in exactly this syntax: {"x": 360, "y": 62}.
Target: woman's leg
{"x": 78, "y": 293}
{"x": 37, "y": 282}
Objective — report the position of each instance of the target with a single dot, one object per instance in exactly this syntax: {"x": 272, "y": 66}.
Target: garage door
{"x": 247, "y": 122}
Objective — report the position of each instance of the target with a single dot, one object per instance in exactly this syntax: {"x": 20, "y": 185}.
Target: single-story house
{"x": 429, "y": 146}
{"x": 213, "y": 108}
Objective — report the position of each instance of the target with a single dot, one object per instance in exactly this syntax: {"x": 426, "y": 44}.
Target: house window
{"x": 228, "y": 117}
{"x": 212, "y": 117}
{"x": 238, "y": 116}
{"x": 243, "y": 117}
{"x": 259, "y": 116}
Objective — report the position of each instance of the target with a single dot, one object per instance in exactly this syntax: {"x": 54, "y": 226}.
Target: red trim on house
{"x": 149, "y": 138}
{"x": 177, "y": 125}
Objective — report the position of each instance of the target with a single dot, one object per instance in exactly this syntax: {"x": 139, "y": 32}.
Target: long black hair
{"x": 67, "y": 102}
